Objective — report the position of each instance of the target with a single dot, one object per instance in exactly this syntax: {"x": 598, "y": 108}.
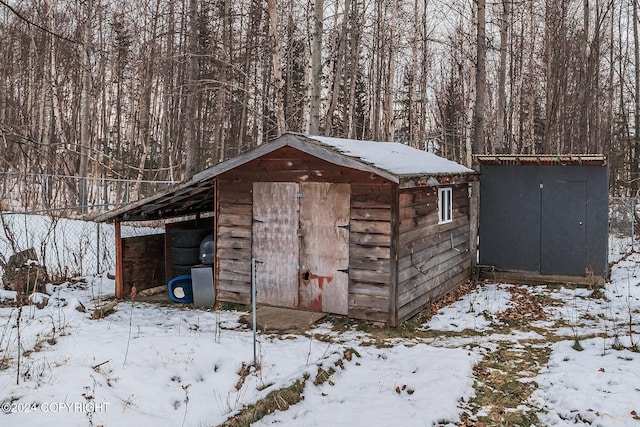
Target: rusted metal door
{"x": 276, "y": 244}
{"x": 324, "y": 256}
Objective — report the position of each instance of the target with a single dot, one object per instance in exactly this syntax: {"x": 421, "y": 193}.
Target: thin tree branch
{"x": 40, "y": 27}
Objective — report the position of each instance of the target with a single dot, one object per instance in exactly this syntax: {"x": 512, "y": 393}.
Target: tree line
{"x": 160, "y": 89}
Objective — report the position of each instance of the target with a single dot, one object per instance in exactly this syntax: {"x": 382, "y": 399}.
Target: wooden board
{"x": 528, "y": 278}
{"x": 119, "y": 278}
{"x": 276, "y": 242}
{"x": 324, "y": 218}
{"x": 370, "y": 259}
{"x": 142, "y": 263}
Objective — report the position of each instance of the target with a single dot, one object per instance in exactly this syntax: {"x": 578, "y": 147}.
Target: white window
{"x": 445, "y": 205}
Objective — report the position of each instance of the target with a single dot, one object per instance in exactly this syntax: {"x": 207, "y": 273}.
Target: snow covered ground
{"x": 173, "y": 366}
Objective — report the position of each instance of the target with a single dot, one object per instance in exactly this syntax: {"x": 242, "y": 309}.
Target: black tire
{"x": 179, "y": 270}
{"x": 188, "y": 237}
{"x": 185, "y": 256}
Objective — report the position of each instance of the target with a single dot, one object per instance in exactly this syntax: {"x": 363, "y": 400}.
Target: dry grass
{"x": 277, "y": 400}
{"x": 503, "y": 385}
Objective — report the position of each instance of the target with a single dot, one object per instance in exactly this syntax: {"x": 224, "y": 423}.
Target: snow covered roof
{"x": 398, "y": 159}
{"x": 398, "y": 163}
{"x": 391, "y": 160}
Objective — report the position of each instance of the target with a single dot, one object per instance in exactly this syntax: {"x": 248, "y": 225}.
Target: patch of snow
{"x": 389, "y": 386}
{"x": 473, "y": 311}
{"x": 8, "y": 295}
{"x": 597, "y": 386}
{"x": 38, "y": 298}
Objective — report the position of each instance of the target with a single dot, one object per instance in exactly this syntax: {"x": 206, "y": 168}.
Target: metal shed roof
{"x": 542, "y": 159}
{"x": 396, "y": 162}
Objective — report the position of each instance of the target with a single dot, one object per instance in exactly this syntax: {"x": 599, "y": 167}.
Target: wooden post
{"x": 119, "y": 278}
{"x": 216, "y": 259}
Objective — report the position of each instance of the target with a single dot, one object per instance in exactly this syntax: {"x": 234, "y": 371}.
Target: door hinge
{"x": 343, "y": 270}
{"x": 254, "y": 220}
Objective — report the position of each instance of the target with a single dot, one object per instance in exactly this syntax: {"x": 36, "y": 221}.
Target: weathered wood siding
{"x": 142, "y": 262}
{"x": 233, "y": 242}
{"x": 369, "y": 237}
{"x": 276, "y": 242}
{"x": 433, "y": 258}
{"x": 369, "y": 252}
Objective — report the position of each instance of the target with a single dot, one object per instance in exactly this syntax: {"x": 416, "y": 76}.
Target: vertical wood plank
{"x": 276, "y": 242}
{"x": 393, "y": 267}
{"x": 119, "y": 278}
{"x": 324, "y": 219}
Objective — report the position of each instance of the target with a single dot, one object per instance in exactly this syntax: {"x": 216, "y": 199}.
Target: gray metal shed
{"x": 545, "y": 214}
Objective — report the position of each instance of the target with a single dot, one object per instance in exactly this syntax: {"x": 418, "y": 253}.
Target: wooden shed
{"x": 372, "y": 230}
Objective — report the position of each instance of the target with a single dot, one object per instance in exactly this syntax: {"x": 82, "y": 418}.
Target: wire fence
{"x": 51, "y": 217}
{"x": 67, "y": 248}
{"x": 76, "y": 246}
{"x": 73, "y": 195}
{"x": 623, "y": 226}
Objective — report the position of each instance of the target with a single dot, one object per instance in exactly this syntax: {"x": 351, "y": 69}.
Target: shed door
{"x": 275, "y": 242}
{"x": 563, "y": 235}
{"x": 301, "y": 238}
{"x": 324, "y": 257}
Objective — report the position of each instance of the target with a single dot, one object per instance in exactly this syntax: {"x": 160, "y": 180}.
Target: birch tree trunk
{"x": 191, "y": 144}
{"x": 316, "y": 68}
{"x": 481, "y": 80}
{"x": 502, "y": 77}
{"x": 389, "y": 87}
{"x": 85, "y": 102}
{"x": 277, "y": 67}
{"x": 635, "y": 165}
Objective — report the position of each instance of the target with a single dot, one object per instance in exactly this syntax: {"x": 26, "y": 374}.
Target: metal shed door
{"x": 563, "y": 228}
{"x": 324, "y": 224}
{"x": 276, "y": 243}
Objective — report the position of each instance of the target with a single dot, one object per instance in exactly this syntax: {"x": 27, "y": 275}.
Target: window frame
{"x": 445, "y": 205}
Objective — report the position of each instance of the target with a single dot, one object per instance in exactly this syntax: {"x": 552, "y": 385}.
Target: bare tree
{"x": 635, "y": 165}
{"x": 315, "y": 81}
{"x": 277, "y": 67}
{"x": 481, "y": 81}
{"x": 192, "y": 145}
{"x": 146, "y": 89}
{"x": 501, "y": 108}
